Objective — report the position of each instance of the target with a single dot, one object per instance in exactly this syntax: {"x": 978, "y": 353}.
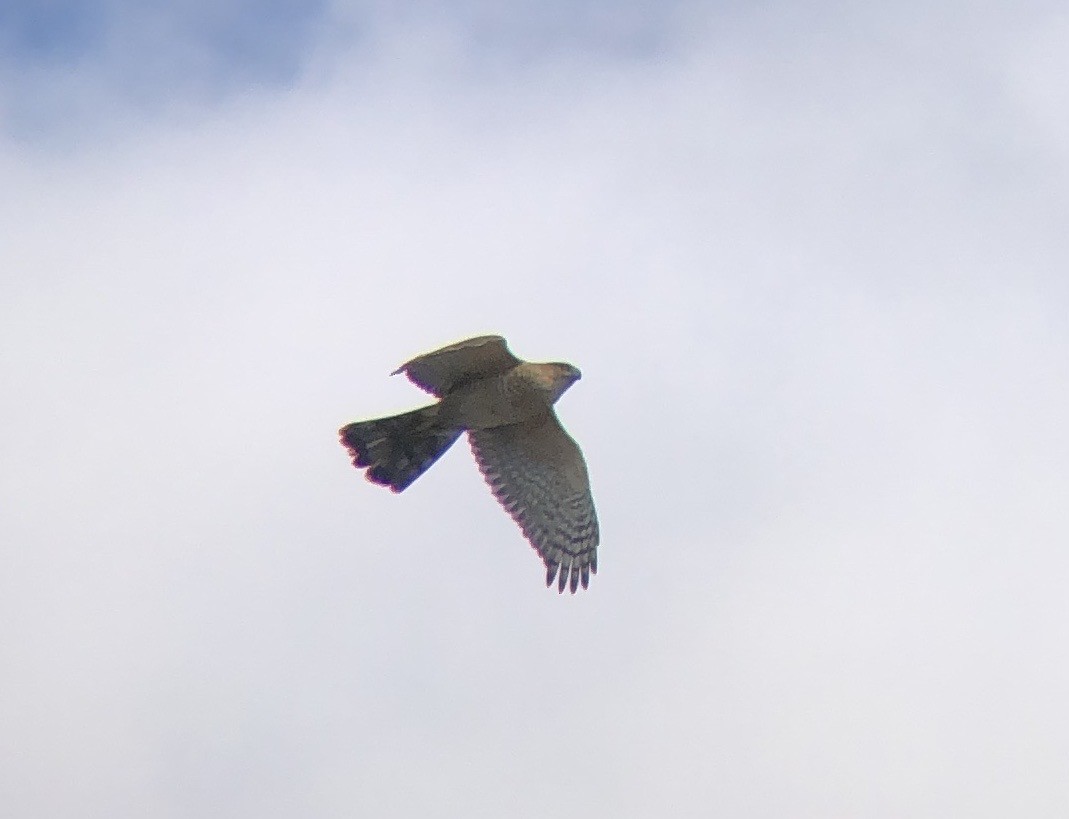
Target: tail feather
{"x": 397, "y": 450}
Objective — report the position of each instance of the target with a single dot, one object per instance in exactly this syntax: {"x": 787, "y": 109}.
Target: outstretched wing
{"x": 537, "y": 472}
{"x": 446, "y": 369}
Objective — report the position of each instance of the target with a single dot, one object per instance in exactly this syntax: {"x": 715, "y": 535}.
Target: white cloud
{"x": 814, "y": 281}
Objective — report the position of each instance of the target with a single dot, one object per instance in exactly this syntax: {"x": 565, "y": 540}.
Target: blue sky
{"x": 153, "y": 56}
{"x": 146, "y": 55}
{"x": 238, "y": 35}
{"x": 811, "y": 261}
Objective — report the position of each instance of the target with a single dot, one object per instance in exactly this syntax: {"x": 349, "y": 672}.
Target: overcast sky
{"x": 812, "y": 259}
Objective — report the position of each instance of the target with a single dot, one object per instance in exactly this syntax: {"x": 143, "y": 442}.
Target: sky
{"x": 811, "y": 259}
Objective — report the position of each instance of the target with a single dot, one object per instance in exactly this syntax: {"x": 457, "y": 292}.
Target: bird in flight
{"x": 534, "y": 468}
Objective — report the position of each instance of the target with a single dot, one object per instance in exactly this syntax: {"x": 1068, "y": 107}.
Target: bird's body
{"x": 505, "y": 405}
{"x": 493, "y": 402}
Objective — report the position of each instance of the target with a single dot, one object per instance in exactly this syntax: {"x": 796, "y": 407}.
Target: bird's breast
{"x": 492, "y": 402}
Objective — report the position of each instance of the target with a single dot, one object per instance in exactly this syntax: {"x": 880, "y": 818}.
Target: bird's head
{"x": 562, "y": 376}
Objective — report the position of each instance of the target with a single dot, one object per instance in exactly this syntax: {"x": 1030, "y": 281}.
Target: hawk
{"x": 534, "y": 468}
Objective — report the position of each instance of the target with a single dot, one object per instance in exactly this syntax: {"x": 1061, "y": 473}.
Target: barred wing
{"x": 536, "y": 471}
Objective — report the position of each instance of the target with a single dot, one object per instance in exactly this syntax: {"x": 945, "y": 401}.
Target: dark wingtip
{"x": 569, "y": 577}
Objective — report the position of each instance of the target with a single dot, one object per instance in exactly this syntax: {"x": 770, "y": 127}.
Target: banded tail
{"x": 397, "y": 450}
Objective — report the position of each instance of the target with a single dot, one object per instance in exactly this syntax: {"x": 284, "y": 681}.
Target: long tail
{"x": 399, "y": 449}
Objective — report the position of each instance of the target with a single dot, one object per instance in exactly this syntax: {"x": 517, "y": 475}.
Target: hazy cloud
{"x": 812, "y": 264}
